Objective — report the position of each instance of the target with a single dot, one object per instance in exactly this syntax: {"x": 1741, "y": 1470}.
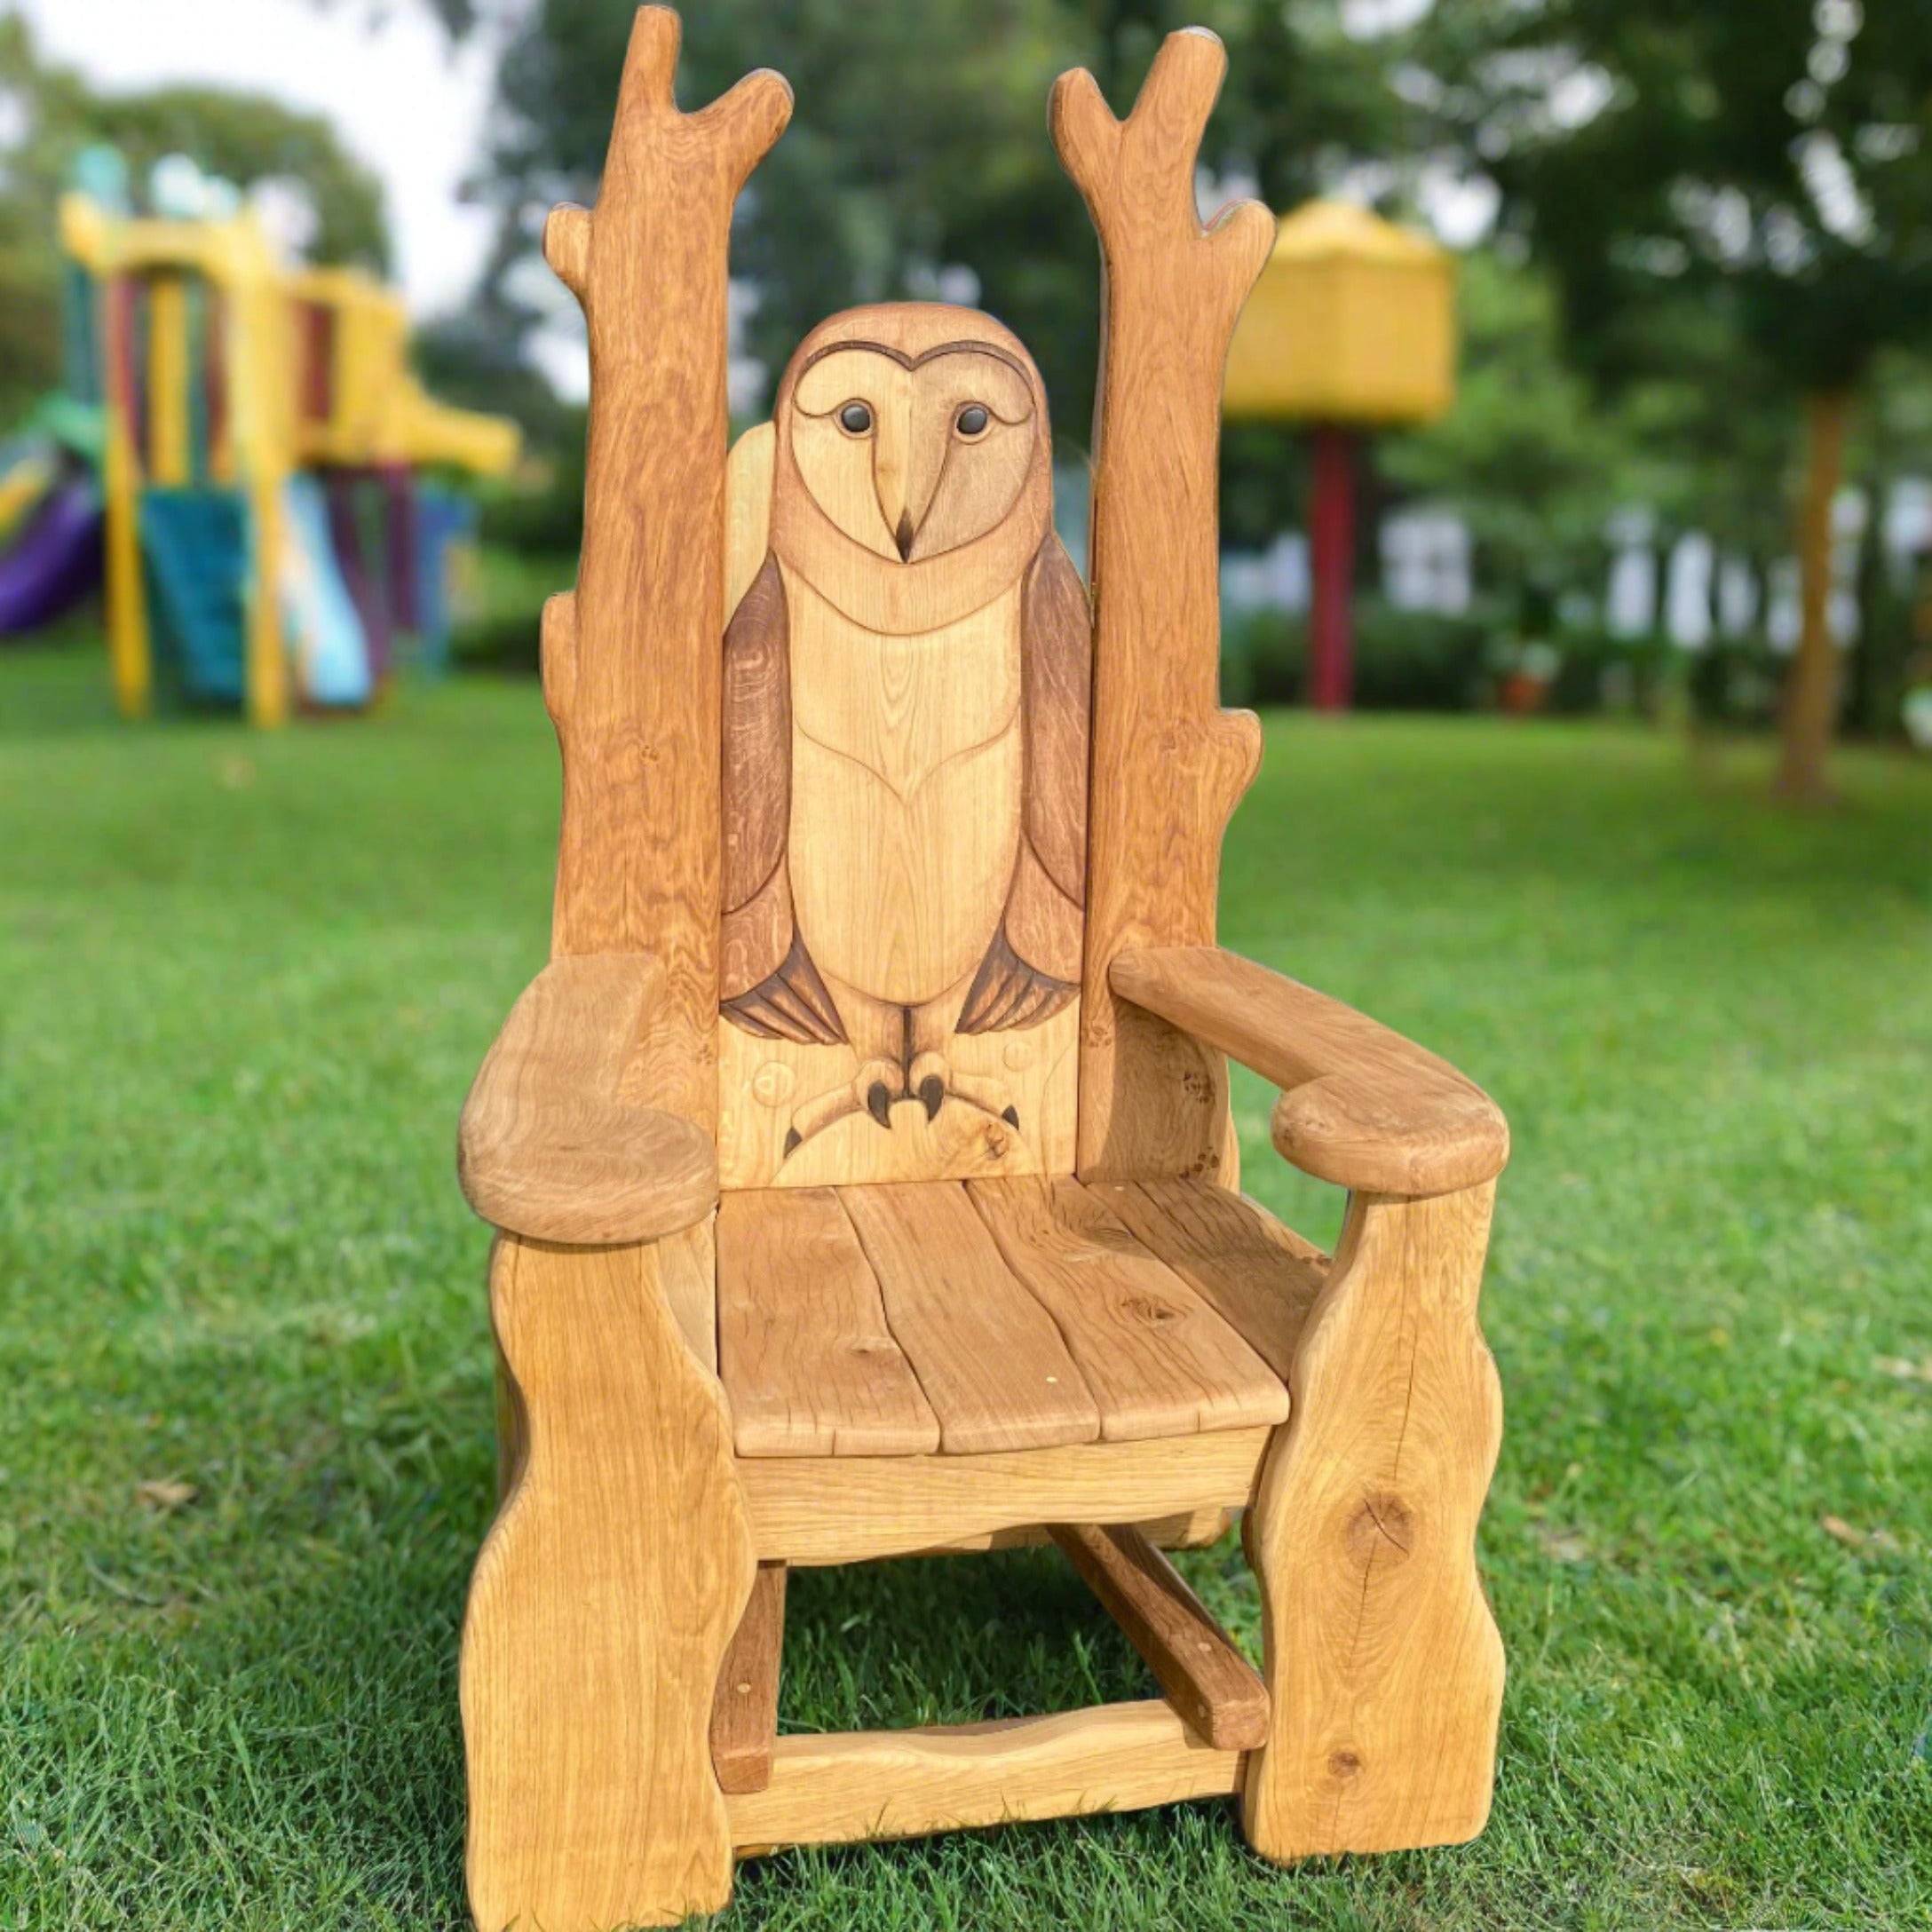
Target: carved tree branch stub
{"x": 1168, "y": 763}
{"x": 637, "y": 704}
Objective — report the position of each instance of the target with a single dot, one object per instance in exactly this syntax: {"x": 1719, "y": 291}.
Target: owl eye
{"x": 972, "y": 420}
{"x": 856, "y": 417}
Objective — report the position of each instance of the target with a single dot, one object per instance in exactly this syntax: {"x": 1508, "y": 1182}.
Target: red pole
{"x": 1332, "y": 564}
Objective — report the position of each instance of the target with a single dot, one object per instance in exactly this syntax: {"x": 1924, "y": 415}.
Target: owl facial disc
{"x": 913, "y": 457}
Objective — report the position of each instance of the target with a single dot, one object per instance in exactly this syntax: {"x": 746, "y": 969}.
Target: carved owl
{"x": 906, "y": 696}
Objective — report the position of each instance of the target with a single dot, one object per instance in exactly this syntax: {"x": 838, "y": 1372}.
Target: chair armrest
{"x": 549, "y": 1148}
{"x": 1360, "y": 1105}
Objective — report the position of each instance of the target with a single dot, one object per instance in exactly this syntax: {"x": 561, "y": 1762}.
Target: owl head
{"x": 917, "y": 429}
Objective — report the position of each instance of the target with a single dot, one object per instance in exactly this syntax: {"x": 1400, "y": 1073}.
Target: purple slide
{"x": 53, "y": 561}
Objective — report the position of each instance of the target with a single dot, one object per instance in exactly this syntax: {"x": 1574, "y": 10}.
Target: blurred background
{"x": 1577, "y": 549}
{"x": 1680, "y": 440}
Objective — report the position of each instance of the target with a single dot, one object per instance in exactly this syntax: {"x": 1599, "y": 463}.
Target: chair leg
{"x": 1384, "y": 1667}
{"x": 603, "y": 1601}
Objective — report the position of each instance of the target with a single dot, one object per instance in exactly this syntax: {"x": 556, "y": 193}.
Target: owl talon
{"x": 932, "y": 1094}
{"x": 794, "y": 1140}
{"x": 879, "y": 1103}
{"x": 1010, "y": 1115}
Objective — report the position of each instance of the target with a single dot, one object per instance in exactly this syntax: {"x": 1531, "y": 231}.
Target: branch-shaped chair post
{"x": 631, "y": 660}
{"x": 1151, "y": 1101}
{"x": 622, "y": 1555}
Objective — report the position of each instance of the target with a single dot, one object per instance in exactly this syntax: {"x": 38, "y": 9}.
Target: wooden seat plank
{"x": 1256, "y": 1274}
{"x": 804, "y": 1352}
{"x": 1159, "y": 1360}
{"x": 988, "y": 1356}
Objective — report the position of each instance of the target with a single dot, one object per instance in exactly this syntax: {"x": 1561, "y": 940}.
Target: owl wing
{"x": 1033, "y": 967}
{"x": 767, "y": 983}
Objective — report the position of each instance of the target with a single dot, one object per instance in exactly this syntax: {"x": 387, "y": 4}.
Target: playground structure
{"x": 267, "y": 540}
{"x": 1351, "y": 325}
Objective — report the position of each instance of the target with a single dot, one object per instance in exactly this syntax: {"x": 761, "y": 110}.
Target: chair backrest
{"x": 906, "y": 685}
{"x": 857, "y": 836}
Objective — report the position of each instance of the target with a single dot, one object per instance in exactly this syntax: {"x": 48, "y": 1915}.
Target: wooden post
{"x": 1383, "y": 1666}
{"x": 1810, "y": 707}
{"x": 1169, "y": 764}
{"x": 1331, "y": 680}
{"x": 632, "y": 660}
{"x": 603, "y": 1603}
{"x": 621, "y": 1557}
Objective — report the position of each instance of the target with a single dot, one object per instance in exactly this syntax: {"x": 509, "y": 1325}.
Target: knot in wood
{"x": 1384, "y": 1526}
{"x": 1344, "y": 1764}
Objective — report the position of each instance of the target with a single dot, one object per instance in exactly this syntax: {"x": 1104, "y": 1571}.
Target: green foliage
{"x": 1524, "y": 457}
{"x": 919, "y": 144}
{"x": 1405, "y": 661}
{"x": 1771, "y": 159}
{"x": 245, "y": 981}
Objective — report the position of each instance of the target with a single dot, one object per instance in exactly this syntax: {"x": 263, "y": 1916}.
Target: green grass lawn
{"x": 245, "y": 983}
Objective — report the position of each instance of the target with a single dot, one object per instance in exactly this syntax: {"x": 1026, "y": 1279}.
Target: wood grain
{"x": 549, "y": 1147}
{"x": 762, "y": 1083}
{"x": 603, "y": 1602}
{"x": 1261, "y": 1277}
{"x": 744, "y": 1709}
{"x": 904, "y": 767}
{"x": 1171, "y": 763}
{"x": 1212, "y": 1686}
{"x": 1361, "y": 1106}
{"x": 989, "y": 505}
{"x": 809, "y": 1365}
{"x": 867, "y": 1785}
{"x": 1383, "y": 1666}
{"x": 1159, "y": 1360}
{"x": 987, "y": 1355}
{"x": 896, "y": 1506}
{"x": 637, "y": 708}
{"x": 687, "y": 1271}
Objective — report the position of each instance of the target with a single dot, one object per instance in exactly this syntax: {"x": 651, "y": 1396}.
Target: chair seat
{"x": 961, "y": 1318}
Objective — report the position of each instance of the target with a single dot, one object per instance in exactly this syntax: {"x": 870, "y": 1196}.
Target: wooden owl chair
{"x": 862, "y": 1160}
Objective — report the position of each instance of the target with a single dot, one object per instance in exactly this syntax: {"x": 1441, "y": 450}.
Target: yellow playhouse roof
{"x": 1353, "y": 322}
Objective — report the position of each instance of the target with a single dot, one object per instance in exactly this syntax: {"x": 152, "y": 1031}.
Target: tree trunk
{"x": 1810, "y": 706}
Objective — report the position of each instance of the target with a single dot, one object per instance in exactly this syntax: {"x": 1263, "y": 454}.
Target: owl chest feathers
{"x": 907, "y": 756}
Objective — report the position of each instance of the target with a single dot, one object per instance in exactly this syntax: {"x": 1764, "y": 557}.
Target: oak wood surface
{"x": 1261, "y": 1277}
{"x": 549, "y": 1147}
{"x": 904, "y": 781}
{"x": 922, "y": 1317}
{"x": 1152, "y": 1102}
{"x": 1159, "y": 1360}
{"x": 744, "y": 1708}
{"x": 1209, "y": 1683}
{"x": 867, "y": 1785}
{"x": 636, "y": 705}
{"x": 989, "y": 1358}
{"x": 1383, "y": 1664}
{"x": 687, "y": 1273}
{"x": 812, "y": 1510}
{"x": 810, "y": 1363}
{"x": 1361, "y": 1106}
{"x": 600, "y": 1609}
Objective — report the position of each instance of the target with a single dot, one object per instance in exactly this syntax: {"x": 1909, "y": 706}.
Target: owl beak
{"x": 889, "y": 452}
{"x": 904, "y": 484}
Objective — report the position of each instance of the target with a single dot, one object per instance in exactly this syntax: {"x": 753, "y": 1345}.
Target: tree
{"x": 1526, "y": 457}
{"x": 1768, "y": 160}
{"x": 918, "y": 164}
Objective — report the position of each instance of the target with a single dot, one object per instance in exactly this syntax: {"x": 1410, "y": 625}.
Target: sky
{"x": 400, "y": 99}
